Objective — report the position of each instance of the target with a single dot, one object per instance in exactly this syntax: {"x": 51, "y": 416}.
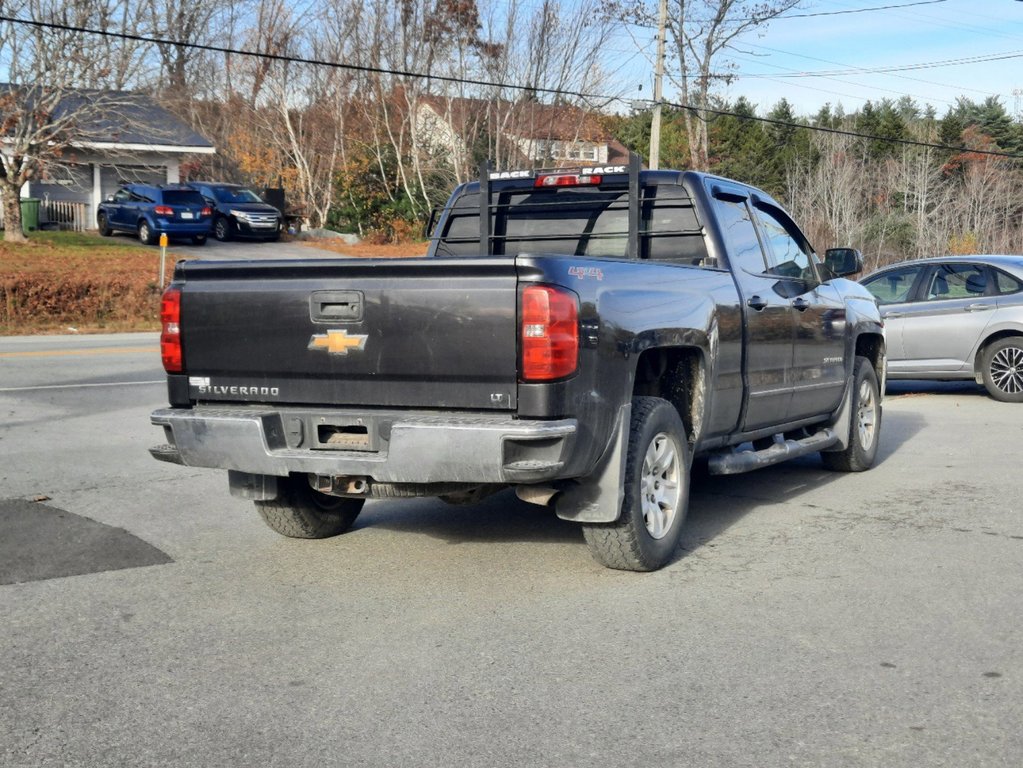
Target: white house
{"x": 138, "y": 141}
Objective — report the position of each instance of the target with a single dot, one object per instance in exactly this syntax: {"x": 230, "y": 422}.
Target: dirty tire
{"x": 1003, "y": 369}
{"x": 145, "y": 233}
{"x": 656, "y": 482}
{"x": 865, "y": 430}
{"x": 103, "y": 225}
{"x": 300, "y": 512}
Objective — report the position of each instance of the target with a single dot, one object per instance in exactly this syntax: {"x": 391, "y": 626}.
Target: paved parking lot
{"x": 243, "y": 249}
{"x": 811, "y": 619}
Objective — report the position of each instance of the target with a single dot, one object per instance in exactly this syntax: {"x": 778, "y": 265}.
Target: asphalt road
{"x": 811, "y": 619}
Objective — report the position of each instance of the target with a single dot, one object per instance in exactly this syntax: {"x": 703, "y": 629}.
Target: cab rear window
{"x": 578, "y": 222}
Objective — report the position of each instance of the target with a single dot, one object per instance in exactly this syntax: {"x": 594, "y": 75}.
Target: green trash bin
{"x": 30, "y": 214}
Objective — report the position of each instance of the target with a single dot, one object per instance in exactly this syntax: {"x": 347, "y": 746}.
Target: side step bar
{"x": 734, "y": 463}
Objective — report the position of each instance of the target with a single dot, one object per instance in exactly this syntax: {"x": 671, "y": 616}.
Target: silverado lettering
{"x": 215, "y": 389}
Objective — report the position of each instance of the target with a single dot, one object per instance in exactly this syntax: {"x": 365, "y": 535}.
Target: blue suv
{"x": 149, "y": 211}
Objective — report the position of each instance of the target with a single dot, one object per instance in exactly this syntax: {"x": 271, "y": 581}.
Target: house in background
{"x": 519, "y": 134}
{"x": 135, "y": 140}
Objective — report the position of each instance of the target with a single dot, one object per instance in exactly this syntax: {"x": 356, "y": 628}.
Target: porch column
{"x": 97, "y": 195}
{"x": 173, "y": 170}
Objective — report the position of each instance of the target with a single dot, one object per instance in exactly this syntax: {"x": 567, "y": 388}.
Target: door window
{"x": 1006, "y": 283}
{"x": 957, "y": 281}
{"x": 787, "y": 254}
{"x": 740, "y": 236}
{"x": 893, "y": 287}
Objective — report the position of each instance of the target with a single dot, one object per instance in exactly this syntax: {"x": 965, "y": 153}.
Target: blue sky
{"x": 917, "y": 35}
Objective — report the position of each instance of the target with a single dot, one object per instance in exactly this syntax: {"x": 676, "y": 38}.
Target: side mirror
{"x": 843, "y": 262}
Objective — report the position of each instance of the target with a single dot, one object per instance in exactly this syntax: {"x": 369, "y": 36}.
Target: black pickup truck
{"x": 582, "y": 341}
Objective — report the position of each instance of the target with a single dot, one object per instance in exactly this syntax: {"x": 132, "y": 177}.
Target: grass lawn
{"x": 60, "y": 281}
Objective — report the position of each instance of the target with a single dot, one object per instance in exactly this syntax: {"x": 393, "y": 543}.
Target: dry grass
{"x": 63, "y": 280}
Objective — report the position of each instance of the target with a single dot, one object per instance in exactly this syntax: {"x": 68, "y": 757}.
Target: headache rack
{"x": 606, "y": 211}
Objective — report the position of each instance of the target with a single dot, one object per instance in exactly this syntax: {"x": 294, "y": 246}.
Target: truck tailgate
{"x": 435, "y": 333}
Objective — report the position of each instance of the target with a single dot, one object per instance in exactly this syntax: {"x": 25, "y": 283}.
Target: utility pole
{"x": 655, "y": 123}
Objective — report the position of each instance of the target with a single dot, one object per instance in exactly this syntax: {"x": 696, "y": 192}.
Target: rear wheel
{"x": 145, "y": 233}
{"x": 103, "y": 225}
{"x": 656, "y": 483}
{"x": 1003, "y": 369}
{"x": 300, "y": 512}
{"x": 199, "y": 240}
{"x": 865, "y": 429}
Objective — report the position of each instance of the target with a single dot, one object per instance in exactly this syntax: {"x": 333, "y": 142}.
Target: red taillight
{"x": 163, "y": 210}
{"x": 550, "y": 333}
{"x": 567, "y": 180}
{"x": 170, "y": 336}
{"x": 207, "y": 211}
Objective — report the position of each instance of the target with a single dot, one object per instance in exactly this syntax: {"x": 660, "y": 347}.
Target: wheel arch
{"x": 678, "y": 375}
{"x": 872, "y": 347}
{"x": 978, "y": 359}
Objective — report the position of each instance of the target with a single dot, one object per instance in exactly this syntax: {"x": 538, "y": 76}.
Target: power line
{"x": 494, "y": 84}
{"x": 852, "y": 134}
{"x": 841, "y": 64}
{"x": 900, "y": 68}
{"x": 858, "y": 10}
{"x": 299, "y": 60}
{"x": 782, "y": 16}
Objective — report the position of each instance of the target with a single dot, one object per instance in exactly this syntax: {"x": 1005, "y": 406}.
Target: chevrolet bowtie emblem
{"x": 337, "y": 342}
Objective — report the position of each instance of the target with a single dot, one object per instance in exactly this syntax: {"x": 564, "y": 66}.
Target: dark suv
{"x": 238, "y": 211}
{"x": 149, "y": 211}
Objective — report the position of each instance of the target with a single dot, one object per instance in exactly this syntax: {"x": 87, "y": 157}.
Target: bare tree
{"x": 700, "y": 33}
{"x": 64, "y": 89}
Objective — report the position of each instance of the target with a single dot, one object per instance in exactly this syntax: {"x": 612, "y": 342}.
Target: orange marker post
{"x": 163, "y": 257}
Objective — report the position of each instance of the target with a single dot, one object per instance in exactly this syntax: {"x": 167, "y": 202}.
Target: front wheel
{"x": 222, "y": 229}
{"x": 103, "y": 225}
{"x": 865, "y": 429}
{"x": 300, "y": 512}
{"x": 656, "y": 484}
{"x": 1003, "y": 369}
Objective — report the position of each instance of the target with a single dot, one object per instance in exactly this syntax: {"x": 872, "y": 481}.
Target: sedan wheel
{"x": 1003, "y": 369}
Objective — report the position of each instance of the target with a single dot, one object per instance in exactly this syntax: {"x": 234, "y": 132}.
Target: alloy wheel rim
{"x": 1007, "y": 370}
{"x": 660, "y": 485}
{"x": 866, "y": 415}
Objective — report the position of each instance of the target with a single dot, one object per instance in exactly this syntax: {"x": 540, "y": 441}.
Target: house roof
{"x": 118, "y": 120}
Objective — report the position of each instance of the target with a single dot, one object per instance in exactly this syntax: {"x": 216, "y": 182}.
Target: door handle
{"x": 978, "y": 307}
{"x": 886, "y": 315}
{"x": 757, "y": 303}
{"x": 801, "y": 304}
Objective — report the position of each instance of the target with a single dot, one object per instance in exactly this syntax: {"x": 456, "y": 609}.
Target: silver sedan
{"x": 956, "y": 317}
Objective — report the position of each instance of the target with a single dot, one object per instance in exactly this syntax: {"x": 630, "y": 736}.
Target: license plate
{"x": 187, "y": 215}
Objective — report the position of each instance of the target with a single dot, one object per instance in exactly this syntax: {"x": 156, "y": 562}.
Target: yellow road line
{"x": 89, "y": 351}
